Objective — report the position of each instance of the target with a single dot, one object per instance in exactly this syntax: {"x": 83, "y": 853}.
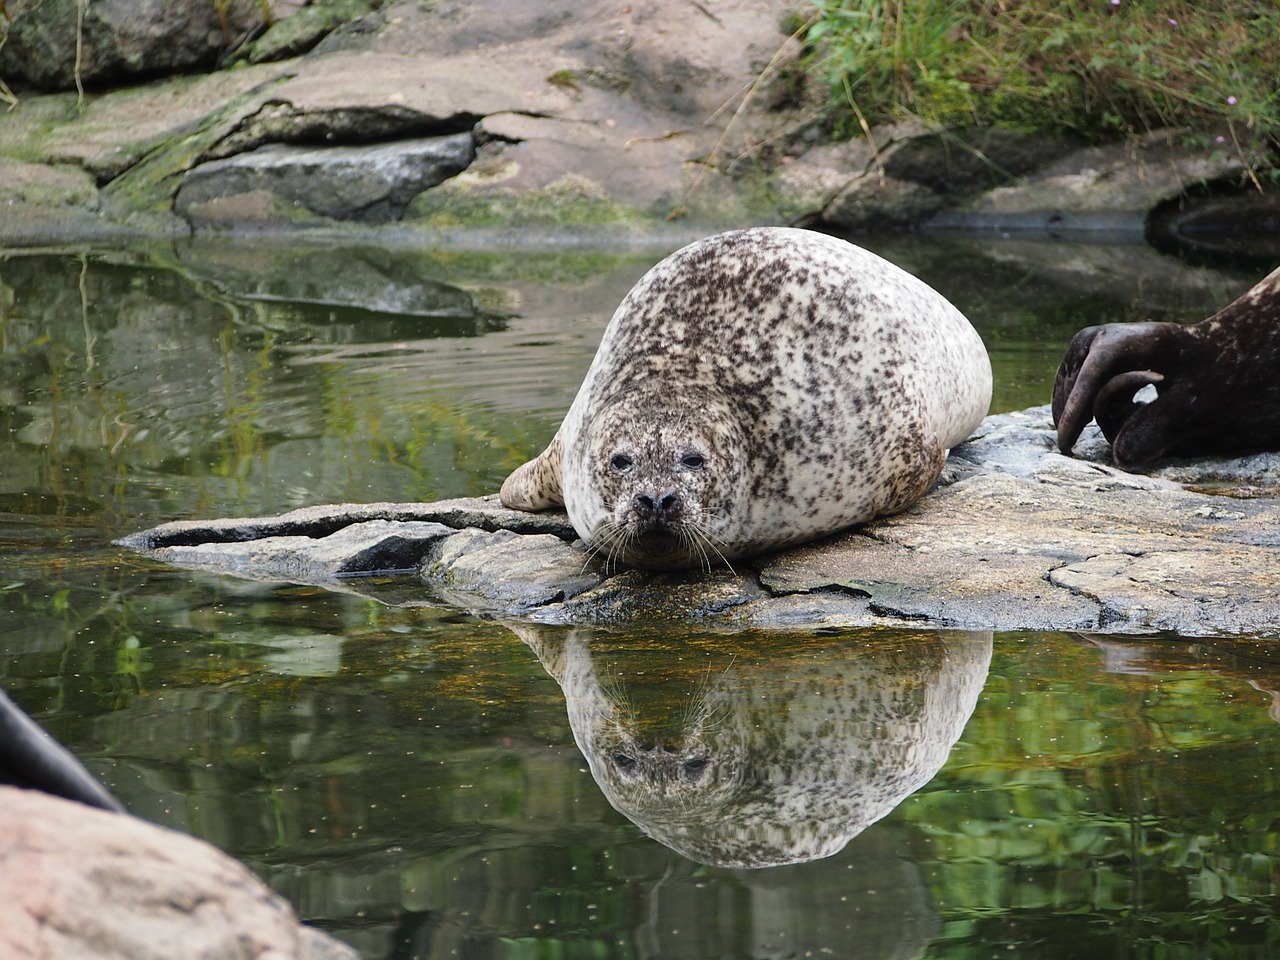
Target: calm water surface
{"x": 427, "y": 784}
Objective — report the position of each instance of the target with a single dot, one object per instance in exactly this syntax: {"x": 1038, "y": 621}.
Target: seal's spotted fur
{"x": 758, "y": 389}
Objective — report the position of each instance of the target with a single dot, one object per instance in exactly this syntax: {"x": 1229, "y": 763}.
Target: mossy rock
{"x": 470, "y": 200}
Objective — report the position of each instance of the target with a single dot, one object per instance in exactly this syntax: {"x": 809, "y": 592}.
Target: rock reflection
{"x": 756, "y": 752}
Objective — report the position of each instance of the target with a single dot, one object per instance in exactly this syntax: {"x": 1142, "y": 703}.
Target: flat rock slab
{"x": 1016, "y": 536}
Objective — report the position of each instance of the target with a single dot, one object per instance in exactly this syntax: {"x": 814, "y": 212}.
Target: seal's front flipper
{"x": 535, "y": 485}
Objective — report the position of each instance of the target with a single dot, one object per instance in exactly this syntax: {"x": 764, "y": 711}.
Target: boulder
{"x": 1016, "y": 536}
{"x": 116, "y": 40}
{"x": 83, "y": 884}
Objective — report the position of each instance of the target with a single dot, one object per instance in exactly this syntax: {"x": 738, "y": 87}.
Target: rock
{"x": 877, "y": 202}
{"x": 368, "y": 184}
{"x": 966, "y": 161}
{"x": 1103, "y": 188}
{"x": 52, "y": 185}
{"x": 565, "y": 92}
{"x": 519, "y": 574}
{"x": 806, "y": 185}
{"x": 1223, "y": 225}
{"x": 586, "y": 114}
{"x": 111, "y": 133}
{"x": 368, "y": 547}
{"x": 119, "y": 39}
{"x": 82, "y": 884}
{"x": 1016, "y": 536}
{"x": 904, "y": 173}
{"x": 481, "y": 513}
{"x": 1001, "y": 180}
{"x": 296, "y": 34}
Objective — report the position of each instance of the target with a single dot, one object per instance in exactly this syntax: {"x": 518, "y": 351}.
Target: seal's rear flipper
{"x": 536, "y": 485}
{"x": 32, "y": 759}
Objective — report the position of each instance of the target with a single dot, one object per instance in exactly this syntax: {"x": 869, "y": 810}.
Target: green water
{"x": 426, "y": 784}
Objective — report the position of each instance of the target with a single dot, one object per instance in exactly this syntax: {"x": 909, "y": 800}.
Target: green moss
{"x": 570, "y": 201}
{"x": 566, "y": 79}
{"x": 150, "y": 185}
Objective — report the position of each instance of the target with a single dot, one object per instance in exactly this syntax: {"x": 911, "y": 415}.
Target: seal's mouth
{"x": 657, "y": 546}
{"x": 657, "y": 540}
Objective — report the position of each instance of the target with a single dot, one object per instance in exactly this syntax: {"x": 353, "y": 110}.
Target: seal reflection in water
{"x": 1217, "y": 383}
{"x": 754, "y": 390}
{"x": 769, "y": 753}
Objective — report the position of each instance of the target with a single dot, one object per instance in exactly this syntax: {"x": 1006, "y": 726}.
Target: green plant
{"x": 1095, "y": 68}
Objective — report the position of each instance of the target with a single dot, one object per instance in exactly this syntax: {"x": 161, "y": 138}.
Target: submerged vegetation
{"x": 1092, "y": 68}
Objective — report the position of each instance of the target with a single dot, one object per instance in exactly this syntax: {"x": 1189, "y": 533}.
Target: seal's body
{"x": 1216, "y": 384}
{"x": 757, "y": 389}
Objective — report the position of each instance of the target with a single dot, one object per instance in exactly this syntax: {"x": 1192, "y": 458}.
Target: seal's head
{"x": 664, "y": 488}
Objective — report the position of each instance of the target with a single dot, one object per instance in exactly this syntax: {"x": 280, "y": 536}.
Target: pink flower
{"x": 1231, "y": 101}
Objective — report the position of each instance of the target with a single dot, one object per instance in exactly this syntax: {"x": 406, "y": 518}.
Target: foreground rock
{"x": 1017, "y": 537}
{"x": 83, "y": 884}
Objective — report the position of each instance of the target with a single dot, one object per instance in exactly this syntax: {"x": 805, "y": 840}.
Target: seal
{"x": 754, "y": 390}
{"x": 1217, "y": 383}
{"x": 33, "y": 760}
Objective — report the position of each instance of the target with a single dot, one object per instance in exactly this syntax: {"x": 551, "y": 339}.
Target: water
{"x": 425, "y": 784}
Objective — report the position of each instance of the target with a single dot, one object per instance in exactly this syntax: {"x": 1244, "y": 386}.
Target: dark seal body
{"x": 754, "y": 390}
{"x": 1217, "y": 383}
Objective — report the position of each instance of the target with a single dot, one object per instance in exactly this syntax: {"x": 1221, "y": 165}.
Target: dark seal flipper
{"x": 1104, "y": 368}
{"x": 32, "y": 759}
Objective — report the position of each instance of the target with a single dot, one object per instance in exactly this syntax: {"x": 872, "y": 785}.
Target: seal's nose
{"x": 664, "y": 506}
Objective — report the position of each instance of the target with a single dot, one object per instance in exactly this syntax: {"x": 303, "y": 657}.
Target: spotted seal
{"x": 754, "y": 390}
{"x": 1216, "y": 383}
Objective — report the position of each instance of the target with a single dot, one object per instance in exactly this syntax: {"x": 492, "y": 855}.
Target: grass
{"x": 1093, "y": 68}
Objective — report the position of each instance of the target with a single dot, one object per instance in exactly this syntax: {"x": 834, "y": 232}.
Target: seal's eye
{"x": 623, "y": 761}
{"x": 621, "y": 462}
{"x": 694, "y": 461}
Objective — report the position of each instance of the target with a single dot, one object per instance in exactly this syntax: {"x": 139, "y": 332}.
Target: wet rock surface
{"x": 1016, "y": 536}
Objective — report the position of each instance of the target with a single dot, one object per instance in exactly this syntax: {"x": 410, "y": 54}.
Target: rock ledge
{"x": 1015, "y": 537}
